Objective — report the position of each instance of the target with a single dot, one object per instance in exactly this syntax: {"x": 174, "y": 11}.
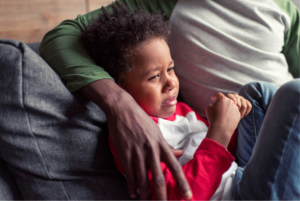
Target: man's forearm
{"x": 105, "y": 93}
{"x": 134, "y": 135}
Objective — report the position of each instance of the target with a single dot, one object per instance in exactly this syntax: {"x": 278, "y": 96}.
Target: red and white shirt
{"x": 208, "y": 166}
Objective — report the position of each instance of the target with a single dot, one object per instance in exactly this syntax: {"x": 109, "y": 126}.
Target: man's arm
{"x": 138, "y": 140}
{"x": 64, "y": 52}
{"x": 291, "y": 48}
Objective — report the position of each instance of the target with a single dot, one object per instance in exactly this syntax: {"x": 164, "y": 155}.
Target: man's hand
{"x": 137, "y": 140}
{"x": 243, "y": 104}
{"x": 223, "y": 117}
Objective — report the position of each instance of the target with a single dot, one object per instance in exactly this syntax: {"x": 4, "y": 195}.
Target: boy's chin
{"x": 162, "y": 112}
{"x": 167, "y": 113}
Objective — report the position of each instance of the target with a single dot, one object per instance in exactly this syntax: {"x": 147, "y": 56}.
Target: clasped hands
{"x": 224, "y": 115}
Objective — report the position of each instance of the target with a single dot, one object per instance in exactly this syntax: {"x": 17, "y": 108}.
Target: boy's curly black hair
{"x": 112, "y": 39}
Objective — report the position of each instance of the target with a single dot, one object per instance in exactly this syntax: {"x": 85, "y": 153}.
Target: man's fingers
{"x": 141, "y": 174}
{"x": 178, "y": 174}
{"x": 130, "y": 176}
{"x": 158, "y": 178}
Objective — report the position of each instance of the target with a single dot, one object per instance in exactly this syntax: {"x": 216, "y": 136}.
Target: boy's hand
{"x": 243, "y": 104}
{"x": 177, "y": 152}
{"x": 223, "y": 117}
{"x": 137, "y": 140}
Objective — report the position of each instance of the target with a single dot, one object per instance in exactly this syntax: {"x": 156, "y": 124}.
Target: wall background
{"x": 29, "y": 20}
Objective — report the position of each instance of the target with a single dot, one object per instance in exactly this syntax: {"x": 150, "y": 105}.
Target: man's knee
{"x": 289, "y": 93}
{"x": 255, "y": 90}
{"x": 291, "y": 88}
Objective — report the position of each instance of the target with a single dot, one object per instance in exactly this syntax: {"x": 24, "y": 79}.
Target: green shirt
{"x": 64, "y": 52}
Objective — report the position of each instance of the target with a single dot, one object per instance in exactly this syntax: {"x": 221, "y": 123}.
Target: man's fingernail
{"x": 188, "y": 195}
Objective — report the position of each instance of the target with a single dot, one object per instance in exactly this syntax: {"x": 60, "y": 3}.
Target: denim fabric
{"x": 260, "y": 95}
{"x": 273, "y": 171}
{"x": 54, "y": 144}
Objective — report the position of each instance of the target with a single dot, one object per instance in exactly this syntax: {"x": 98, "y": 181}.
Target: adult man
{"x": 216, "y": 46}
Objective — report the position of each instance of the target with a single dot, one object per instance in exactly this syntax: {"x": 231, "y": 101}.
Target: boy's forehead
{"x": 151, "y": 56}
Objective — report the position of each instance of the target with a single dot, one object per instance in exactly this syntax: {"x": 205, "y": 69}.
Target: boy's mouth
{"x": 171, "y": 101}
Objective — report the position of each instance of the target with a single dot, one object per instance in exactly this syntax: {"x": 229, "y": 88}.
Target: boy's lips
{"x": 171, "y": 101}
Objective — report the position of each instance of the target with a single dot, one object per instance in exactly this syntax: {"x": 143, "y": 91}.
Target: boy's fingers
{"x": 249, "y": 107}
{"x": 177, "y": 152}
{"x": 217, "y": 96}
{"x": 243, "y": 108}
{"x": 238, "y": 100}
{"x": 232, "y": 97}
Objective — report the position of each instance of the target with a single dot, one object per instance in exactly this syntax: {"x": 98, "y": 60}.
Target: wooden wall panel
{"x": 29, "y": 20}
{"x": 95, "y": 4}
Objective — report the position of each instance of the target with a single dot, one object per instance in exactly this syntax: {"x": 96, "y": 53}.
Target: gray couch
{"x": 69, "y": 160}
{"x": 53, "y": 145}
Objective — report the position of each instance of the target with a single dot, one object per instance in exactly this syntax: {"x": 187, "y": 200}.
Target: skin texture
{"x": 243, "y": 104}
{"x": 224, "y": 115}
{"x": 135, "y": 136}
{"x": 154, "y": 86}
{"x": 137, "y": 139}
{"x": 153, "y": 83}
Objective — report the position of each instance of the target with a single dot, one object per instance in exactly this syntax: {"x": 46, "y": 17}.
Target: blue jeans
{"x": 269, "y": 143}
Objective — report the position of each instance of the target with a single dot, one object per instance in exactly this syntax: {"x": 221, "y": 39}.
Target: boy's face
{"x": 153, "y": 83}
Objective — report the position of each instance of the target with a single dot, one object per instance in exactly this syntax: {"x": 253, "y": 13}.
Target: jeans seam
{"x": 27, "y": 114}
{"x": 253, "y": 124}
{"x": 280, "y": 162}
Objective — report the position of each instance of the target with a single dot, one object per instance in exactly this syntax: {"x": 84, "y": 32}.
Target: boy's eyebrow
{"x": 171, "y": 63}
{"x": 156, "y": 68}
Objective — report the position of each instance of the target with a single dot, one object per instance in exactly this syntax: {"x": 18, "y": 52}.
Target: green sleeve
{"x": 63, "y": 51}
{"x": 291, "y": 48}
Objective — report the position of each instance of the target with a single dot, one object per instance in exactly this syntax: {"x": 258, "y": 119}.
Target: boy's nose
{"x": 169, "y": 85}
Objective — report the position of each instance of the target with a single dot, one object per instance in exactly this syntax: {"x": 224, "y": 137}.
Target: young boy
{"x": 132, "y": 48}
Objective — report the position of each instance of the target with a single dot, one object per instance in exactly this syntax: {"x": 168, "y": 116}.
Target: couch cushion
{"x": 35, "y": 47}
{"x": 8, "y": 187}
{"x": 54, "y": 144}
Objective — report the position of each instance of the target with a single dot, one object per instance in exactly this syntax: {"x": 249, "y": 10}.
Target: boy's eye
{"x": 170, "y": 69}
{"x": 154, "y": 77}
